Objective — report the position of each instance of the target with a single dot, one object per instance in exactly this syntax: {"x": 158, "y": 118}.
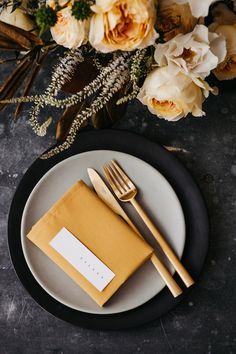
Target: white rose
{"x": 122, "y": 25}
{"x": 195, "y": 53}
{"x": 172, "y": 97}
{"x": 68, "y": 31}
{"x": 199, "y": 8}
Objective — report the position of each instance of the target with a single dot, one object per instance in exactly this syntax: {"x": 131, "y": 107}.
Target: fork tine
{"x": 111, "y": 180}
{"x": 119, "y": 178}
{"x": 116, "y": 180}
{"x": 118, "y": 174}
{"x": 126, "y": 179}
{"x": 122, "y": 174}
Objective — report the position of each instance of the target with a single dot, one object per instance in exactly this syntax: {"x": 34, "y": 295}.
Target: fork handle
{"x": 160, "y": 267}
{"x": 183, "y": 273}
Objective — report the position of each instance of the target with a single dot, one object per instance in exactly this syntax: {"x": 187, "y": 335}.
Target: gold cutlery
{"x": 104, "y": 193}
{"x": 126, "y": 191}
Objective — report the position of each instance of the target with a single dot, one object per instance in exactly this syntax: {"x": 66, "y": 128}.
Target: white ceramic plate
{"x": 156, "y": 196}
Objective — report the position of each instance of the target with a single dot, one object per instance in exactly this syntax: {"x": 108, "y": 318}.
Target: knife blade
{"x": 105, "y": 194}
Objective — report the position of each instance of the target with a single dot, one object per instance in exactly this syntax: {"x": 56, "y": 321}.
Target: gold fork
{"x": 126, "y": 191}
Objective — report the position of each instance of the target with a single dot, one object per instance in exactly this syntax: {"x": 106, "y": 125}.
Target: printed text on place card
{"x": 82, "y": 259}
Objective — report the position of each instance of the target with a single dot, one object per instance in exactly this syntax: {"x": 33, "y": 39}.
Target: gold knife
{"x": 105, "y": 194}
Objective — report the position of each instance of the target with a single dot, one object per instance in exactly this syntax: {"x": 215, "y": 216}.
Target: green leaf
{"x": 81, "y": 10}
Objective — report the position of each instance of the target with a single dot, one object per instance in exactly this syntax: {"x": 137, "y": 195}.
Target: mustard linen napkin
{"x": 103, "y": 232}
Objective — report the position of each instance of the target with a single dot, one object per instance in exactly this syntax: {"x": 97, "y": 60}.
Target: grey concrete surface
{"x": 205, "y": 321}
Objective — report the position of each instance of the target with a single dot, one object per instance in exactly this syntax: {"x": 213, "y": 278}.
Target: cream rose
{"x": 225, "y": 24}
{"x": 122, "y": 25}
{"x": 195, "y": 53}
{"x": 199, "y": 8}
{"x": 68, "y": 31}
{"x": 171, "y": 96}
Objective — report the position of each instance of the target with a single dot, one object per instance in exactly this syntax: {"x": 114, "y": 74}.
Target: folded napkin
{"x": 88, "y": 219}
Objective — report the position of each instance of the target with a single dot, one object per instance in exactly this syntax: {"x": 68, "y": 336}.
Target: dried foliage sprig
{"x": 65, "y": 69}
{"x": 4, "y": 4}
{"x": 109, "y": 80}
{"x": 48, "y": 97}
{"x": 135, "y": 75}
{"x": 113, "y": 84}
{"x": 22, "y": 38}
{"x": 34, "y": 71}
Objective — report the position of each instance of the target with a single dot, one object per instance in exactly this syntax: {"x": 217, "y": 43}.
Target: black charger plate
{"x": 196, "y": 218}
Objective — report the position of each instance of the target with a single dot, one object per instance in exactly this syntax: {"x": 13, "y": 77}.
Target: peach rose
{"x": 68, "y": 31}
{"x": 174, "y": 19}
{"x": 172, "y": 96}
{"x": 225, "y": 25}
{"x": 122, "y": 25}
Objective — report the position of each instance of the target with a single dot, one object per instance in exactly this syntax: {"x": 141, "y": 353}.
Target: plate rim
{"x": 42, "y": 179}
{"x": 107, "y": 139}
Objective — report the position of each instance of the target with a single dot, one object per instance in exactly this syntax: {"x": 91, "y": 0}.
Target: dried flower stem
{"x": 113, "y": 84}
{"x": 65, "y": 69}
{"x": 110, "y": 80}
{"x": 134, "y": 75}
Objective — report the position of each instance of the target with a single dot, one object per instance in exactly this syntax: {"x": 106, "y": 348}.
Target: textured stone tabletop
{"x": 205, "y": 321}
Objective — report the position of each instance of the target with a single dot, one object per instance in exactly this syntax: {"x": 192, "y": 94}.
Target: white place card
{"x": 82, "y": 259}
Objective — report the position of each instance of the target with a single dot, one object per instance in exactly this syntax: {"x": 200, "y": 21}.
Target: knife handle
{"x": 161, "y": 268}
{"x": 166, "y": 276}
